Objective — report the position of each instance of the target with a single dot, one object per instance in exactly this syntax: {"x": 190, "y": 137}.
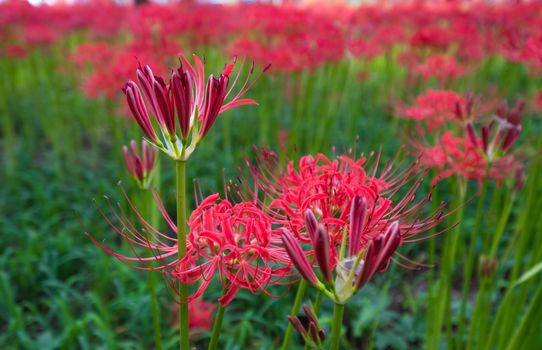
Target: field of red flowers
{"x": 259, "y": 176}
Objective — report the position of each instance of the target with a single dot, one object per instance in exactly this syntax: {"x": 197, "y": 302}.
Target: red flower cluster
{"x": 448, "y": 38}
{"x": 458, "y": 149}
{"x": 434, "y": 108}
{"x": 235, "y": 240}
{"x": 335, "y": 215}
{"x": 186, "y": 103}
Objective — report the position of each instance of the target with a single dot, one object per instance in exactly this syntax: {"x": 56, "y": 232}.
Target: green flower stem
{"x": 336, "y": 326}
{"x": 181, "y": 246}
{"x": 470, "y": 263}
{"x": 318, "y": 302}
{"x": 216, "y": 328}
{"x": 443, "y": 296}
{"x": 295, "y": 309}
{"x": 501, "y": 226}
{"x": 151, "y": 281}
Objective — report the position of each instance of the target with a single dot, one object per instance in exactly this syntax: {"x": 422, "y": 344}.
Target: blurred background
{"x": 341, "y": 70}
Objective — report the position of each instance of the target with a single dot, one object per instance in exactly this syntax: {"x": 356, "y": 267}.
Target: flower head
{"x": 236, "y": 241}
{"x": 342, "y": 219}
{"x": 324, "y": 186}
{"x": 478, "y": 155}
{"x": 185, "y": 103}
{"x": 367, "y": 247}
{"x": 434, "y": 108}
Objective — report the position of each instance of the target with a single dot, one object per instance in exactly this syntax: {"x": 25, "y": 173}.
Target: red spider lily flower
{"x": 532, "y": 52}
{"x": 482, "y": 155}
{"x": 470, "y": 157}
{"x": 16, "y": 51}
{"x": 325, "y": 186}
{"x": 331, "y": 210}
{"x": 140, "y": 167}
{"x": 443, "y": 68}
{"x": 432, "y": 37}
{"x": 438, "y": 108}
{"x": 238, "y": 242}
{"x": 186, "y": 100}
{"x": 235, "y": 241}
{"x": 370, "y": 244}
{"x": 435, "y": 107}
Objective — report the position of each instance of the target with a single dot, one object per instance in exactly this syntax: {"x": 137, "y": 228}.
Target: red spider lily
{"x": 478, "y": 156}
{"x": 443, "y": 68}
{"x": 469, "y": 157}
{"x": 275, "y": 31}
{"x": 109, "y": 66}
{"x": 367, "y": 246}
{"x": 238, "y": 242}
{"x": 432, "y": 37}
{"x": 235, "y": 241}
{"x": 140, "y": 167}
{"x": 435, "y": 107}
{"x": 501, "y": 134}
{"x": 185, "y": 100}
{"x": 327, "y": 200}
{"x": 326, "y": 187}
{"x": 533, "y": 52}
{"x": 201, "y": 315}
{"x": 16, "y": 51}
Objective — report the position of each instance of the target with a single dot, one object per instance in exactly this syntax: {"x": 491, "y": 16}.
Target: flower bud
{"x": 487, "y": 266}
{"x": 358, "y": 211}
{"x": 297, "y": 255}
{"x": 321, "y": 249}
{"x": 311, "y": 223}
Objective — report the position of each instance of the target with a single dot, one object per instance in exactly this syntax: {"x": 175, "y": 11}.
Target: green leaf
{"x": 533, "y": 271}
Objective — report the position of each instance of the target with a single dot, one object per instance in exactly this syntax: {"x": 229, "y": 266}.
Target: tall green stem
{"x": 318, "y": 302}
{"x": 470, "y": 263}
{"x": 216, "y": 328}
{"x": 443, "y": 297}
{"x": 151, "y": 281}
{"x": 181, "y": 246}
{"x": 295, "y": 309}
{"x": 336, "y": 326}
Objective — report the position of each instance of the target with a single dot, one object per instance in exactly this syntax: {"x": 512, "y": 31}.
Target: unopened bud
{"x": 487, "y": 266}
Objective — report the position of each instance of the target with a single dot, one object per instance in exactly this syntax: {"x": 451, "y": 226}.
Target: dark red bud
{"x": 472, "y": 135}
{"x": 358, "y": 211}
{"x": 311, "y": 223}
{"x": 321, "y": 249}
{"x": 298, "y": 326}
